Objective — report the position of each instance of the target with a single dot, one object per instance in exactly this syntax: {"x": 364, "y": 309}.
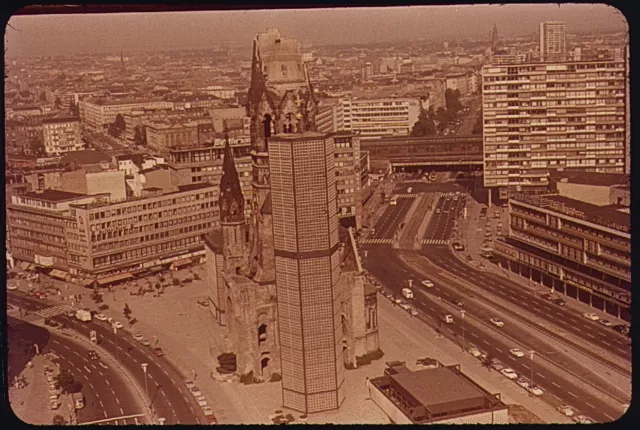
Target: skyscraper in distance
{"x": 553, "y": 41}
{"x": 307, "y": 266}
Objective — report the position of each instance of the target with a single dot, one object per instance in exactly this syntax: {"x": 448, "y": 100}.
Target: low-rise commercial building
{"x": 442, "y": 395}
{"x": 376, "y": 117}
{"x": 97, "y": 114}
{"x": 575, "y": 248}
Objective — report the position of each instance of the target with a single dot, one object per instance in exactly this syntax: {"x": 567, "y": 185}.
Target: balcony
{"x": 614, "y": 271}
{"x": 615, "y": 258}
{"x": 554, "y": 236}
{"x": 626, "y": 247}
{"x": 529, "y": 216}
{"x": 533, "y": 242}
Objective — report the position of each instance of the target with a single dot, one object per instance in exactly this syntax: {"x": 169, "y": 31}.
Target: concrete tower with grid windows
{"x": 307, "y": 263}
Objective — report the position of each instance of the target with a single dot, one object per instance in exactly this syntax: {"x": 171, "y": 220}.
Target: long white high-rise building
{"x": 553, "y": 41}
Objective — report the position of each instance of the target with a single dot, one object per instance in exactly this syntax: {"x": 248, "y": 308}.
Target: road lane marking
{"x": 101, "y": 404}
{"x": 524, "y": 365}
{"x": 499, "y": 350}
{"x": 572, "y": 395}
{"x": 107, "y": 381}
{"x": 101, "y": 374}
{"x": 102, "y": 365}
{"x": 76, "y": 353}
{"x": 590, "y": 405}
{"x": 117, "y": 401}
{"x": 87, "y": 369}
{"x": 122, "y": 412}
{"x": 105, "y": 413}
{"x": 165, "y": 372}
{"x": 609, "y": 416}
{"x": 485, "y": 342}
{"x": 56, "y": 342}
{"x": 512, "y": 358}
{"x": 553, "y": 383}
{"x": 66, "y": 347}
{"x": 90, "y": 384}
{"x": 474, "y": 335}
{"x": 590, "y": 335}
{"x": 85, "y": 360}
{"x": 556, "y": 397}
{"x": 540, "y": 376}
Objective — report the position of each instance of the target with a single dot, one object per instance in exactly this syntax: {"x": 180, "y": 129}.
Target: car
{"x": 497, "y": 366}
{"x": 50, "y": 322}
{"x": 189, "y": 384}
{"x": 12, "y": 287}
{"x": 427, "y": 283}
{"x": 437, "y": 211}
{"x": 138, "y": 336}
{"x": 591, "y": 316}
{"x": 566, "y": 410}
{"x": 621, "y": 328}
{"x": 535, "y": 390}
{"x": 459, "y": 303}
{"x": 475, "y": 352}
{"x": 405, "y": 306}
{"x": 509, "y": 373}
{"x": 110, "y": 320}
{"x": 195, "y": 391}
{"x": 414, "y": 312}
{"x": 606, "y": 323}
{"x": 145, "y": 342}
{"x": 583, "y": 419}
{"x": 93, "y": 355}
{"x": 117, "y": 324}
{"x": 158, "y": 352}
{"x": 546, "y": 296}
{"x": 101, "y": 317}
{"x": 497, "y": 322}
{"x": 559, "y": 301}
{"x": 398, "y": 301}
{"x": 523, "y": 382}
{"x": 389, "y": 295}
{"x": 71, "y": 314}
{"x": 516, "y": 352}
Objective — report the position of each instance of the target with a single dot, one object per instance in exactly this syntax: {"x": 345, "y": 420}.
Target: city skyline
{"x": 93, "y": 33}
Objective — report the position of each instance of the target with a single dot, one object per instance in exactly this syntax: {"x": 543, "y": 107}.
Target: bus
{"x": 393, "y": 201}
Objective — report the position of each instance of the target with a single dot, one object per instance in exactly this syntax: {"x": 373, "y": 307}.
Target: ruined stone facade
{"x": 240, "y": 256}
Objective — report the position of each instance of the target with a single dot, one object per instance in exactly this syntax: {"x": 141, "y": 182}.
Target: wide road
{"x": 168, "y": 395}
{"x": 391, "y": 219}
{"x": 107, "y": 393}
{"x": 441, "y": 224}
{"x": 567, "y": 319}
{"x": 393, "y": 273}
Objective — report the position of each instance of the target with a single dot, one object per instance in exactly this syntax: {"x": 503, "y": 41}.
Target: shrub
{"x": 247, "y": 378}
{"x": 275, "y": 377}
{"x": 368, "y": 358}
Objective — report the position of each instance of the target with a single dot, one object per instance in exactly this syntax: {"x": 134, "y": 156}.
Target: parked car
{"x": 497, "y": 322}
{"x": 12, "y": 287}
{"x": 145, "y": 342}
{"x": 591, "y": 316}
{"x": 101, "y": 317}
{"x": 497, "y": 365}
{"x": 93, "y": 355}
{"x": 158, "y": 352}
{"x": 547, "y": 296}
{"x": 459, "y": 303}
{"x": 474, "y": 351}
{"x": 138, "y": 336}
{"x": 509, "y": 373}
{"x": 566, "y": 410}
{"x": 427, "y": 283}
{"x": 189, "y": 384}
{"x": 523, "y": 382}
{"x": 516, "y": 352}
{"x": 414, "y": 312}
{"x": 535, "y": 390}
{"x": 389, "y": 295}
{"x": 398, "y": 301}
{"x": 117, "y": 324}
{"x": 621, "y": 328}
{"x": 195, "y": 391}
{"x": 606, "y": 323}
{"x": 405, "y": 306}
{"x": 558, "y": 301}
{"x": 583, "y": 419}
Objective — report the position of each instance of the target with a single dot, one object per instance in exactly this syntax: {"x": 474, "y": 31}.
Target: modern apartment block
{"x": 330, "y": 116}
{"x": 307, "y": 267}
{"x": 539, "y": 117}
{"x": 92, "y": 237}
{"x": 348, "y": 179}
{"x": 573, "y": 247}
{"x": 377, "y": 117}
{"x": 61, "y": 135}
{"x": 553, "y": 41}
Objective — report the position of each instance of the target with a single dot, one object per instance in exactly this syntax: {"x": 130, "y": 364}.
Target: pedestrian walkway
{"x": 54, "y": 311}
{"x": 436, "y": 241}
{"x": 376, "y": 241}
{"x": 406, "y": 196}
{"x": 415, "y": 181}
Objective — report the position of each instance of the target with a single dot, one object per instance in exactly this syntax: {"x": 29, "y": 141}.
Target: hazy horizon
{"x": 156, "y": 31}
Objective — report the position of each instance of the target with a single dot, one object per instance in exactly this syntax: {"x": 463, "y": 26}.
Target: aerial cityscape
{"x": 415, "y": 215}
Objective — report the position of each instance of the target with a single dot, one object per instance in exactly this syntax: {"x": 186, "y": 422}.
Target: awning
{"x": 87, "y": 282}
{"x": 25, "y": 265}
{"x": 157, "y": 269}
{"x": 181, "y": 263}
{"x": 55, "y": 273}
{"x": 114, "y": 278}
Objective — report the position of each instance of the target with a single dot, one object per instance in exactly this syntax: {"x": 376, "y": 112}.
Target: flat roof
{"x": 307, "y": 135}
{"x": 85, "y": 156}
{"x": 590, "y": 178}
{"x": 437, "y": 388}
{"x": 53, "y": 195}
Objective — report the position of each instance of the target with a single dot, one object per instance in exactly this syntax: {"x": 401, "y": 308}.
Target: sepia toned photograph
{"x": 354, "y": 215}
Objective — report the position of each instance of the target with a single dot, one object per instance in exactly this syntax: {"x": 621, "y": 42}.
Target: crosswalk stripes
{"x": 436, "y": 241}
{"x": 406, "y": 196}
{"x": 415, "y": 181}
{"x": 376, "y": 241}
{"x": 55, "y": 311}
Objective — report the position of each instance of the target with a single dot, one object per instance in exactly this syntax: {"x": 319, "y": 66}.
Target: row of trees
{"x": 117, "y": 127}
{"x": 432, "y": 122}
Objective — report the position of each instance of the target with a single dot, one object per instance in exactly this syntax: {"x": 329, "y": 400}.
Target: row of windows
{"x": 130, "y": 229}
{"x": 148, "y": 206}
{"x": 37, "y": 245}
{"x": 36, "y": 235}
{"x": 146, "y": 251}
{"x": 14, "y": 221}
{"x": 101, "y": 247}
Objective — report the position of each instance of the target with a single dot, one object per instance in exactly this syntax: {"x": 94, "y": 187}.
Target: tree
{"x": 119, "y": 122}
{"x": 452, "y": 101}
{"x": 138, "y": 136}
{"x": 73, "y": 109}
{"x": 36, "y": 147}
{"x": 96, "y": 296}
{"x": 43, "y": 96}
{"x": 57, "y": 103}
{"x": 65, "y": 381}
{"x": 58, "y": 420}
{"x": 425, "y": 126}
{"x": 127, "y": 311}
{"x": 477, "y": 127}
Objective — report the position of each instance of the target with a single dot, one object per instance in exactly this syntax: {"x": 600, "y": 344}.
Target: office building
{"x": 97, "y": 114}
{"x": 437, "y": 395}
{"x": 575, "y": 248}
{"x": 348, "y": 176}
{"x": 330, "y": 116}
{"x": 378, "y": 117}
{"x": 553, "y": 41}
{"x": 307, "y": 267}
{"x": 540, "y": 117}
{"x": 61, "y": 135}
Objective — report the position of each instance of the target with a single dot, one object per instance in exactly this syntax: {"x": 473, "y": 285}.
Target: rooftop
{"x": 435, "y": 388}
{"x": 307, "y": 135}
{"x": 86, "y": 156}
{"x": 590, "y": 178}
{"x": 53, "y": 195}
{"x": 602, "y": 215}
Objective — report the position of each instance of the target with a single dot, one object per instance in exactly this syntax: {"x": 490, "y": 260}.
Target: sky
{"x": 128, "y": 32}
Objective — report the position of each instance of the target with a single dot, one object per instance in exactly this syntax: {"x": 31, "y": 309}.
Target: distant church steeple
{"x": 494, "y": 38}
{"x": 231, "y": 198}
{"x": 122, "y": 60}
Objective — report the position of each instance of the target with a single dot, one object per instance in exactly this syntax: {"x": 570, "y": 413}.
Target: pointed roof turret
{"x": 231, "y": 199}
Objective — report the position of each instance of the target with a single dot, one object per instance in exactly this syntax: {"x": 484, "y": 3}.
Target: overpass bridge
{"x": 437, "y": 153}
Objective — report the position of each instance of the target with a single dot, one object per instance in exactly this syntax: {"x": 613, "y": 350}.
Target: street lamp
{"x": 115, "y": 339}
{"x": 531, "y": 355}
{"x": 462, "y": 312}
{"x": 146, "y": 390}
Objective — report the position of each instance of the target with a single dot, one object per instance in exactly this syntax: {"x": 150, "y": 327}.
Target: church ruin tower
{"x": 232, "y": 220}
{"x": 280, "y": 100}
